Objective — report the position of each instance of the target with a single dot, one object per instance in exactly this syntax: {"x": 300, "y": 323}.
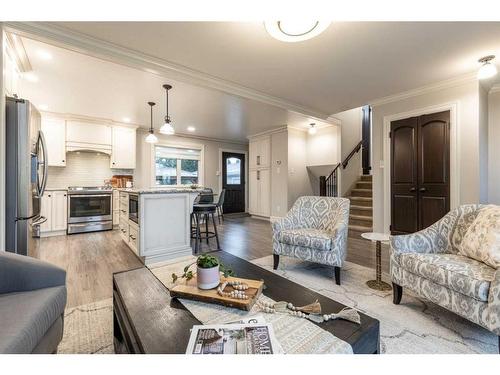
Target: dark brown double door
{"x": 420, "y": 171}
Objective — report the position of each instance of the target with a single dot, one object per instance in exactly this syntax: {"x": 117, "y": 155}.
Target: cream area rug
{"x": 414, "y": 326}
{"x": 88, "y": 329}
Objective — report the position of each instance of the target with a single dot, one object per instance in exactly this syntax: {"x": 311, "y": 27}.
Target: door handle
{"x": 422, "y": 190}
{"x": 412, "y": 189}
{"x": 258, "y": 159}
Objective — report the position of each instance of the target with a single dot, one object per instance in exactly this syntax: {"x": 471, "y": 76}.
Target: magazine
{"x": 255, "y": 338}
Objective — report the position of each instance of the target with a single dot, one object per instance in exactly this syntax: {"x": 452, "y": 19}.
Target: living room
{"x": 192, "y": 191}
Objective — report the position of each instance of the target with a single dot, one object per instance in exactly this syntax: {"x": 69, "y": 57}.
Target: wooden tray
{"x": 189, "y": 290}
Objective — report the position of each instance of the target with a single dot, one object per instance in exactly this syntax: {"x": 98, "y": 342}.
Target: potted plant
{"x": 208, "y": 269}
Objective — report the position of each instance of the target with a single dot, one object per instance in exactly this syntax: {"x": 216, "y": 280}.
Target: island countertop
{"x": 161, "y": 190}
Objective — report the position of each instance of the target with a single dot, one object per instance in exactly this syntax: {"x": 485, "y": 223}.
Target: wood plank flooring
{"x": 91, "y": 258}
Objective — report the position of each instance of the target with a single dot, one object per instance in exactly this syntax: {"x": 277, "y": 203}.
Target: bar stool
{"x": 204, "y": 210}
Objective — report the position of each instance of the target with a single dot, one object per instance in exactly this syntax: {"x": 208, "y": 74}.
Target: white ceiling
{"x": 348, "y": 65}
{"x": 82, "y": 85}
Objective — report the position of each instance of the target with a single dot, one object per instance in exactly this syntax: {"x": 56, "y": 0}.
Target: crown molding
{"x": 453, "y": 82}
{"x": 268, "y": 132}
{"x": 78, "y": 42}
{"x": 15, "y": 48}
{"x": 89, "y": 119}
{"x": 198, "y": 137}
{"x": 495, "y": 88}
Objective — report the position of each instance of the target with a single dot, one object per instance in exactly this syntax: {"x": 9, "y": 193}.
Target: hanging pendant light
{"x": 167, "y": 127}
{"x": 151, "y": 138}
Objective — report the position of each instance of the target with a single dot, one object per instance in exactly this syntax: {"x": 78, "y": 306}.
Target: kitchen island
{"x": 155, "y": 223}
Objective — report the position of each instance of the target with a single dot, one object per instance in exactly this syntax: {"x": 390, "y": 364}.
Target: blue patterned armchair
{"x": 315, "y": 229}
{"x": 428, "y": 264}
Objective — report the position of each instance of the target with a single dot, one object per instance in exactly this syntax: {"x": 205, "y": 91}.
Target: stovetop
{"x": 89, "y": 189}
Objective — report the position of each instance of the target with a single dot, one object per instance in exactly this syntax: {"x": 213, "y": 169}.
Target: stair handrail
{"x": 351, "y": 154}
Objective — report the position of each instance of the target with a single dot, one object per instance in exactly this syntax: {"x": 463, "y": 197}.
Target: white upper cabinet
{"x": 54, "y": 130}
{"x": 87, "y": 135}
{"x": 260, "y": 152}
{"x": 123, "y": 147}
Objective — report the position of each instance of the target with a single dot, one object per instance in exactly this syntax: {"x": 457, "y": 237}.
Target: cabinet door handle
{"x": 133, "y": 238}
{"x": 422, "y": 190}
{"x": 258, "y": 175}
{"x": 63, "y": 160}
{"x": 412, "y": 189}
{"x": 258, "y": 159}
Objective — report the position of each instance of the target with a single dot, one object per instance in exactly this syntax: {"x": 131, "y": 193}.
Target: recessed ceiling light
{"x": 191, "y": 129}
{"x": 295, "y": 31}
{"x": 43, "y": 107}
{"x": 126, "y": 119}
{"x": 44, "y": 55}
{"x": 30, "y": 77}
{"x": 487, "y": 70}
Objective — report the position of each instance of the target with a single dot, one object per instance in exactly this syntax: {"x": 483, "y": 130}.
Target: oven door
{"x": 84, "y": 208}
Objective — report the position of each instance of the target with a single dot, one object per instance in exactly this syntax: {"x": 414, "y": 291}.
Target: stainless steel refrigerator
{"x": 26, "y": 174}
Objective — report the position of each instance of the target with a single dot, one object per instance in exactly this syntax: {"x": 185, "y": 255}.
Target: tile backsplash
{"x": 83, "y": 169}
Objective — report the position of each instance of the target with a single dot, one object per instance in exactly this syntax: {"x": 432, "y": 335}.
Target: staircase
{"x": 361, "y": 214}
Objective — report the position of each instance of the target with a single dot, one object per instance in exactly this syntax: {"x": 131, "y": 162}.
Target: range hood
{"x": 82, "y": 147}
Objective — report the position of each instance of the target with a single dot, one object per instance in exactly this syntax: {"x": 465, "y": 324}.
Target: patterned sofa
{"x": 428, "y": 263}
{"x": 315, "y": 229}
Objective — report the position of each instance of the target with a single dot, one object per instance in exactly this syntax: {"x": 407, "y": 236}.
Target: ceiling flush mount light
{"x": 312, "y": 129}
{"x": 151, "y": 138}
{"x": 191, "y": 129}
{"x": 295, "y": 31}
{"x": 487, "y": 70}
{"x": 167, "y": 127}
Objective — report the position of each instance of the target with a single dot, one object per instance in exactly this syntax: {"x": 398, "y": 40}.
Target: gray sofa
{"x": 428, "y": 264}
{"x": 32, "y": 302}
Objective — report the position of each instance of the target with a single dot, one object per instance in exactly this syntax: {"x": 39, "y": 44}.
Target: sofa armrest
{"x": 20, "y": 273}
{"x": 282, "y": 223}
{"x": 494, "y": 304}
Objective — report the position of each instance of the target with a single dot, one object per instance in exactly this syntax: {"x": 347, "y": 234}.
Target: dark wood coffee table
{"x": 147, "y": 320}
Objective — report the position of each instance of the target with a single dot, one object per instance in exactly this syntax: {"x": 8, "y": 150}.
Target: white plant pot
{"x": 208, "y": 278}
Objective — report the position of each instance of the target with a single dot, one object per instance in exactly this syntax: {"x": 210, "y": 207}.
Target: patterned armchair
{"x": 315, "y": 230}
{"x": 428, "y": 263}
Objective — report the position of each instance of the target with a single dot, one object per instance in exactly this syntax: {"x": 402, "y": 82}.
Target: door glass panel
{"x": 166, "y": 171}
{"x": 90, "y": 206}
{"x": 233, "y": 171}
{"x": 189, "y": 171}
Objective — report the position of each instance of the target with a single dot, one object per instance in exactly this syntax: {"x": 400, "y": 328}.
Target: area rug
{"x": 414, "y": 326}
{"x": 88, "y": 329}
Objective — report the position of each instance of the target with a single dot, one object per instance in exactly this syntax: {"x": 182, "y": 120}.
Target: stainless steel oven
{"x": 133, "y": 207}
{"x": 89, "y": 209}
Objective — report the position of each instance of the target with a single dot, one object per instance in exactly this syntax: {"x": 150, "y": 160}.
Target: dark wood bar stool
{"x": 204, "y": 211}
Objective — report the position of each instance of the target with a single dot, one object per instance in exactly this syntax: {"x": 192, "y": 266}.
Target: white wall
{"x": 142, "y": 173}
{"x": 298, "y": 178}
{"x": 279, "y": 173}
{"x": 467, "y": 98}
{"x": 351, "y": 135}
{"x": 322, "y": 146}
{"x": 483, "y": 143}
{"x": 494, "y": 147}
{"x": 83, "y": 169}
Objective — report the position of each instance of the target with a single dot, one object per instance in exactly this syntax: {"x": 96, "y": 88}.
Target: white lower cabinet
{"x": 260, "y": 192}
{"x": 116, "y": 207}
{"x": 55, "y": 210}
{"x": 129, "y": 230}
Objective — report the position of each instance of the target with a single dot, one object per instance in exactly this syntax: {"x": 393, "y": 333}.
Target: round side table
{"x": 378, "y": 238}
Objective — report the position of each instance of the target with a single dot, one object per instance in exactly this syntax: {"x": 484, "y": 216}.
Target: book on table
{"x": 248, "y": 336}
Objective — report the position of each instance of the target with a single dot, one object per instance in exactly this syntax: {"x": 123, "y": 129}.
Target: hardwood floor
{"x": 91, "y": 258}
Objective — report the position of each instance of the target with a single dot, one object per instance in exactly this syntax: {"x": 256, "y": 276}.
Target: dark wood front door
{"x": 233, "y": 181}
{"x": 420, "y": 171}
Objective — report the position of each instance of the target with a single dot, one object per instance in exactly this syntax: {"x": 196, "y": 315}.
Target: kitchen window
{"x": 176, "y": 166}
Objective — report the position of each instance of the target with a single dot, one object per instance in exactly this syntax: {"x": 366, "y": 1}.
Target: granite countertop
{"x": 160, "y": 190}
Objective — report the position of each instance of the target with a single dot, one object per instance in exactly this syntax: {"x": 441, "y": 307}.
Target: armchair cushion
{"x": 461, "y": 274}
{"x": 482, "y": 239}
{"x": 307, "y": 237}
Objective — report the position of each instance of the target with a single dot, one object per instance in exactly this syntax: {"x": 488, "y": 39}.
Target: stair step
{"x": 356, "y": 230}
{"x": 361, "y": 217}
{"x": 365, "y": 177}
{"x": 361, "y": 210}
{"x": 362, "y": 201}
{"x": 361, "y": 192}
{"x": 361, "y": 220}
{"x": 364, "y": 185}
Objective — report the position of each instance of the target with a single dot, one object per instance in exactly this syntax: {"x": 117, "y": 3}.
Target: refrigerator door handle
{"x": 42, "y": 145}
{"x": 26, "y": 218}
{"x": 41, "y": 220}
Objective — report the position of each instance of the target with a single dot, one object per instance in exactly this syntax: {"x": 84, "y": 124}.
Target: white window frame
{"x": 201, "y": 164}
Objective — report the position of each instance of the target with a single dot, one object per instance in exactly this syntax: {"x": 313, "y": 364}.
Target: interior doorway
{"x": 420, "y": 171}
{"x": 233, "y": 181}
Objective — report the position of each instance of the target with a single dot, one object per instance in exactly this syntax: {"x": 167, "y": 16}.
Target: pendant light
{"x": 312, "y": 129}
{"x": 151, "y": 138}
{"x": 487, "y": 70}
{"x": 167, "y": 127}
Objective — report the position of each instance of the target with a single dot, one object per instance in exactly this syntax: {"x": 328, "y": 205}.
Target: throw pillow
{"x": 482, "y": 239}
